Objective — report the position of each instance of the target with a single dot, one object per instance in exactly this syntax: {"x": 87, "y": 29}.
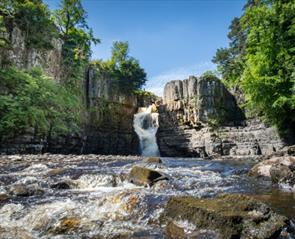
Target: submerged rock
{"x": 26, "y": 190}
{"x": 56, "y": 171}
{"x": 4, "y": 197}
{"x": 153, "y": 160}
{"x": 231, "y": 216}
{"x": 61, "y": 185}
{"x": 144, "y": 176}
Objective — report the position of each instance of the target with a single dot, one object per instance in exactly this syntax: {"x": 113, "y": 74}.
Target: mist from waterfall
{"x": 146, "y": 125}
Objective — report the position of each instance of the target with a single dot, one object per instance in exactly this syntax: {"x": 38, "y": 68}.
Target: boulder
{"x": 144, "y": 176}
{"x": 281, "y": 174}
{"x": 4, "y": 197}
{"x": 56, "y": 171}
{"x": 22, "y": 190}
{"x": 153, "y": 160}
{"x": 231, "y": 216}
{"x": 61, "y": 185}
{"x": 262, "y": 169}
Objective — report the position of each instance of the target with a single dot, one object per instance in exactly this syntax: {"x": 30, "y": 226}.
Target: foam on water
{"x": 103, "y": 201}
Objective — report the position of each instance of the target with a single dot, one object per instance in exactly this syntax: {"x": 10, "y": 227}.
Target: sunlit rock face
{"x": 110, "y": 114}
{"x": 199, "y": 100}
{"x": 200, "y": 117}
{"x": 25, "y": 58}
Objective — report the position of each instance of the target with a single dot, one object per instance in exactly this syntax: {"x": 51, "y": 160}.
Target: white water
{"x": 146, "y": 125}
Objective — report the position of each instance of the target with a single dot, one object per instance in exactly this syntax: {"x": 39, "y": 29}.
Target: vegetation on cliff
{"x": 29, "y": 98}
{"x": 32, "y": 99}
{"x": 260, "y": 59}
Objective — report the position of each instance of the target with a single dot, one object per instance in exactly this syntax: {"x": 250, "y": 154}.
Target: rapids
{"x": 99, "y": 202}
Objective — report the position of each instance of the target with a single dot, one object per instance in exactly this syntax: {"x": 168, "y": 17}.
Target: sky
{"x": 172, "y": 39}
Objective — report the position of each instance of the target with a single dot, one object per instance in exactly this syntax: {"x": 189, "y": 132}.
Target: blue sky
{"x": 172, "y": 39}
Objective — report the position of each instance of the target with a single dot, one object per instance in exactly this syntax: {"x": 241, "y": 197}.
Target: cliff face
{"x": 200, "y": 117}
{"x": 25, "y": 58}
{"x": 109, "y": 128}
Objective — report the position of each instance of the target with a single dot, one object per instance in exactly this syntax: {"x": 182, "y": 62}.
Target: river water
{"x": 90, "y": 196}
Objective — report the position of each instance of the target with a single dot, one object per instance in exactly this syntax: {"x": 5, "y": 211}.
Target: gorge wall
{"x": 200, "y": 117}
{"x": 24, "y": 57}
{"x": 110, "y": 112}
{"x": 107, "y": 118}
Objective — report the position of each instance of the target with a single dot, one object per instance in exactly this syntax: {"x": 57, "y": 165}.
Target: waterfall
{"x": 146, "y": 125}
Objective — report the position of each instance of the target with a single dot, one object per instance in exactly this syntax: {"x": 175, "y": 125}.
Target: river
{"x": 89, "y": 196}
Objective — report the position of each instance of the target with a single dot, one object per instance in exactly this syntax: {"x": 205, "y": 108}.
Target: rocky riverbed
{"x": 96, "y": 196}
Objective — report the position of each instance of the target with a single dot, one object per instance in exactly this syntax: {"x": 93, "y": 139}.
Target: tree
{"x": 126, "y": 70}
{"x": 33, "y": 19}
{"x": 269, "y": 76}
{"x": 230, "y": 60}
{"x": 77, "y": 37}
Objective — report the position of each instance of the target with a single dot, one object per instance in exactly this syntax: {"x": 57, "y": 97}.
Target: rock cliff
{"x": 200, "y": 117}
{"x": 25, "y": 58}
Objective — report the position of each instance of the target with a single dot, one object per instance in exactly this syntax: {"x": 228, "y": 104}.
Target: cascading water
{"x": 146, "y": 125}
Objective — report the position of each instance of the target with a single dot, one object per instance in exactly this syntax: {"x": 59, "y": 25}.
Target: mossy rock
{"x": 232, "y": 216}
{"x": 144, "y": 176}
{"x": 174, "y": 232}
{"x": 153, "y": 160}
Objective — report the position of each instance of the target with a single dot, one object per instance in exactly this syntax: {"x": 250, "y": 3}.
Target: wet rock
{"x": 4, "y": 197}
{"x": 61, "y": 185}
{"x": 153, "y": 160}
{"x": 282, "y": 174}
{"x": 144, "y": 176}
{"x": 174, "y": 232}
{"x": 291, "y": 150}
{"x": 262, "y": 169}
{"x": 15, "y": 233}
{"x": 22, "y": 190}
{"x": 66, "y": 225}
{"x": 231, "y": 216}
{"x": 56, "y": 171}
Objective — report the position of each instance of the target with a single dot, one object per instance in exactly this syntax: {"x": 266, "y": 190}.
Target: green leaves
{"x": 126, "y": 70}
{"x": 261, "y": 59}
{"x": 31, "y": 99}
{"x": 77, "y": 37}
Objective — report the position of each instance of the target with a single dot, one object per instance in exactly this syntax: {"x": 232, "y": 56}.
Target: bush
{"x": 31, "y": 99}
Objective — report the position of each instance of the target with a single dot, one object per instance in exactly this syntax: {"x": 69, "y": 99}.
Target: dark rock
{"x": 61, "y": 185}
{"x": 144, "y": 176}
{"x": 291, "y": 150}
{"x": 232, "y": 216}
{"x": 4, "y": 197}
{"x": 153, "y": 160}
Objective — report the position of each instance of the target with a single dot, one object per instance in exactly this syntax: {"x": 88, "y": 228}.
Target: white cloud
{"x": 156, "y": 83}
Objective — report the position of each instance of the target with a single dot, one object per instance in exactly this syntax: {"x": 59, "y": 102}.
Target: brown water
{"x": 89, "y": 196}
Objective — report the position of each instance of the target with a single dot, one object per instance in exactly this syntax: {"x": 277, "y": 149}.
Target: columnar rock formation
{"x": 201, "y": 118}
{"x": 23, "y": 57}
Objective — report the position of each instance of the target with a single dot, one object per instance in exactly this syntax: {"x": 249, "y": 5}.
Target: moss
{"x": 231, "y": 215}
